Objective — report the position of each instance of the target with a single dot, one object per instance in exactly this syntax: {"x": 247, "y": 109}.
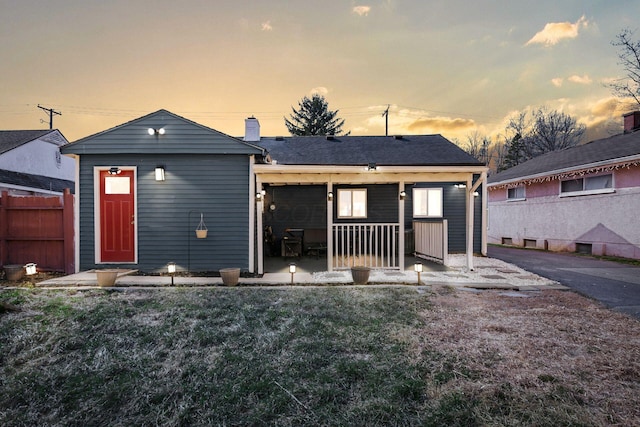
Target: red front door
{"x": 117, "y": 216}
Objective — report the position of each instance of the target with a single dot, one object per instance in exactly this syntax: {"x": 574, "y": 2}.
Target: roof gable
{"x": 10, "y": 139}
{"x": 181, "y": 136}
{"x": 609, "y": 150}
{"x": 413, "y": 150}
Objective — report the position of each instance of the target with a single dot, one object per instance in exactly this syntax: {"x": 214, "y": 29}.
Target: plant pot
{"x": 360, "y": 275}
{"x": 106, "y": 278}
{"x": 201, "y": 234}
{"x": 14, "y": 272}
{"x": 230, "y": 276}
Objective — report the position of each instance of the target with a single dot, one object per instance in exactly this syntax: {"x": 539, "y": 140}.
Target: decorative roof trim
{"x": 567, "y": 174}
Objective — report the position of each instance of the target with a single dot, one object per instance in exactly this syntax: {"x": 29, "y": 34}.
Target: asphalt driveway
{"x": 615, "y": 285}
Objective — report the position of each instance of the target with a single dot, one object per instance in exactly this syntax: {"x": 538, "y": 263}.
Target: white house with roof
{"x": 31, "y": 163}
{"x": 582, "y": 199}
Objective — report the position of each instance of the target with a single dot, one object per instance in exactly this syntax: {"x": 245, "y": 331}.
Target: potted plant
{"x": 230, "y": 276}
{"x": 107, "y": 277}
{"x": 360, "y": 274}
{"x": 13, "y": 272}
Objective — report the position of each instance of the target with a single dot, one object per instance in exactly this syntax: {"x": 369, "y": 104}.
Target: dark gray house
{"x": 145, "y": 186}
{"x": 370, "y": 199}
{"x": 132, "y": 217}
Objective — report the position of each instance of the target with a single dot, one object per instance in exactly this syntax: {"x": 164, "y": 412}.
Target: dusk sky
{"x": 450, "y": 67}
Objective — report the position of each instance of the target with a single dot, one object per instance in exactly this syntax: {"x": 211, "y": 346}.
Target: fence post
{"x": 68, "y": 232}
{"x": 4, "y": 227}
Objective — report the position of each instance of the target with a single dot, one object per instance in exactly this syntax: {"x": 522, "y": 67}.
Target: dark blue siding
{"x": 168, "y": 212}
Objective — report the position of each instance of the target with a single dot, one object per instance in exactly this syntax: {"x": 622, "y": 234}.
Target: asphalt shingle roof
{"x": 35, "y": 181}
{"x": 601, "y": 150}
{"x": 412, "y": 150}
{"x": 10, "y": 139}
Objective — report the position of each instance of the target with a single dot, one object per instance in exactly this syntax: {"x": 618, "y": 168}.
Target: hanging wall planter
{"x": 201, "y": 231}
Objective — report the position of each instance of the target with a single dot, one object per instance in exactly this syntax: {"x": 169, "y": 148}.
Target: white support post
{"x": 252, "y": 217}
{"x": 469, "y": 223}
{"x": 260, "y": 228}
{"x": 401, "y": 226}
{"x": 330, "y": 227}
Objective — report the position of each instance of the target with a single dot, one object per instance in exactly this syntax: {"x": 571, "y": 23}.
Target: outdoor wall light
{"x": 460, "y": 185}
{"x": 330, "y": 196}
{"x": 30, "y": 268}
{"x": 403, "y": 194}
{"x": 476, "y": 194}
{"x": 417, "y": 267}
{"x": 114, "y": 171}
{"x": 258, "y": 196}
{"x": 152, "y": 131}
{"x": 159, "y": 173}
{"x": 292, "y": 270}
{"x": 171, "y": 268}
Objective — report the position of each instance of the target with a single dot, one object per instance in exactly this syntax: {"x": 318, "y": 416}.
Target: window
{"x": 427, "y": 202}
{"x": 116, "y": 185}
{"x": 588, "y": 185}
{"x": 352, "y": 203}
{"x": 516, "y": 193}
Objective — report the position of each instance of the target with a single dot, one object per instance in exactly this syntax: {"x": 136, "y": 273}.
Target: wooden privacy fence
{"x": 37, "y": 229}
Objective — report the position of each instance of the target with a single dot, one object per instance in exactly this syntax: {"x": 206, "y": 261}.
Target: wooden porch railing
{"x": 431, "y": 240}
{"x": 370, "y": 245}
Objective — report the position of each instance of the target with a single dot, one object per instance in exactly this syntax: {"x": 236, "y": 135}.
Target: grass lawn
{"x": 338, "y": 356}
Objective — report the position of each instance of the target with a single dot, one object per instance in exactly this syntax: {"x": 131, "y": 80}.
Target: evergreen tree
{"x": 313, "y": 117}
{"x": 515, "y": 153}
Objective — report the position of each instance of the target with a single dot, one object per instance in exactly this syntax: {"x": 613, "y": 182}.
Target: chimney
{"x": 631, "y": 121}
{"x": 251, "y": 129}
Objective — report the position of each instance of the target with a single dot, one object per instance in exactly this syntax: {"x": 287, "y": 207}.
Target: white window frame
{"x": 584, "y": 192}
{"x": 426, "y": 211}
{"x": 515, "y": 199}
{"x": 342, "y": 192}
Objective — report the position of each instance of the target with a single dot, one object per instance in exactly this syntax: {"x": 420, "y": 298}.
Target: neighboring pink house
{"x": 582, "y": 199}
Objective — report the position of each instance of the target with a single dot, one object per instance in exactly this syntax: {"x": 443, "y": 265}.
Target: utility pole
{"x": 386, "y": 120}
{"x": 51, "y": 112}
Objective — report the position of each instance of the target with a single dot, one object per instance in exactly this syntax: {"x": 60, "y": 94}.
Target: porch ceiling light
{"x": 460, "y": 185}
{"x": 114, "y": 171}
{"x": 160, "y": 173}
{"x": 30, "y": 268}
{"x": 372, "y": 166}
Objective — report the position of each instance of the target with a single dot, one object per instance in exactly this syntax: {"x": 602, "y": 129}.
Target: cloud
{"x": 554, "y": 32}
{"x": 583, "y": 80}
{"x": 266, "y": 26}
{"x": 440, "y": 124}
{"x": 362, "y": 10}
{"x": 557, "y": 82}
{"x": 320, "y": 90}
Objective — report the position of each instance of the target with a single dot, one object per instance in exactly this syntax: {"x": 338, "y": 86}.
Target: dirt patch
{"x": 529, "y": 346}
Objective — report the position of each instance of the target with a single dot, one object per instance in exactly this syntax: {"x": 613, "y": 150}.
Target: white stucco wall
{"x": 608, "y": 221}
{"x": 39, "y": 157}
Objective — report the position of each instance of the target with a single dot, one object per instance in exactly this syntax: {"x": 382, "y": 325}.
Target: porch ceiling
{"x": 358, "y": 175}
